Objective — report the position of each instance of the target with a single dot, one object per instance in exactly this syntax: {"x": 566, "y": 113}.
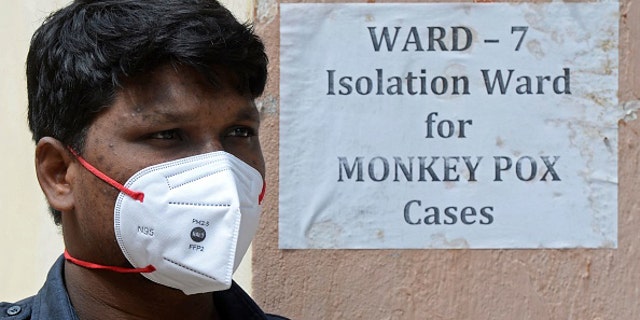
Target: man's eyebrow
{"x": 166, "y": 114}
{"x": 249, "y": 112}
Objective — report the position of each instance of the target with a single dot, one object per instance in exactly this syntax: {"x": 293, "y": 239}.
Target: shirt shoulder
{"x": 20, "y": 310}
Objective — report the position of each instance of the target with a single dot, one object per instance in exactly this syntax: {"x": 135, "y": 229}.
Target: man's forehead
{"x": 166, "y": 91}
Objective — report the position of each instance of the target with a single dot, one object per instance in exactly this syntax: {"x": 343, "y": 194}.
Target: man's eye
{"x": 166, "y": 135}
{"x": 242, "y": 132}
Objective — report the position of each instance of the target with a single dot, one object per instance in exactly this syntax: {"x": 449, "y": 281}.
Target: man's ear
{"x": 52, "y": 169}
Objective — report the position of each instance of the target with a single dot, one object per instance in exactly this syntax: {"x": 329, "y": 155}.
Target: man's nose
{"x": 211, "y": 145}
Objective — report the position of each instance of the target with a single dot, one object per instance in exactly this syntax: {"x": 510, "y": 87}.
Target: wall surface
{"x": 455, "y": 284}
{"x": 27, "y": 232}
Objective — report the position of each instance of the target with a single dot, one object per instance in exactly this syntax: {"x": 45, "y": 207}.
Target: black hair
{"x": 81, "y": 54}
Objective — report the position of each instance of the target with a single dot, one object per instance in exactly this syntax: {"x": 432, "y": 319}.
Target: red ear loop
{"x": 90, "y": 265}
{"x": 139, "y": 196}
{"x": 264, "y": 190}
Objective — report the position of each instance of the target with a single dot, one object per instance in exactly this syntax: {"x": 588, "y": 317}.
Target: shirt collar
{"x": 52, "y": 301}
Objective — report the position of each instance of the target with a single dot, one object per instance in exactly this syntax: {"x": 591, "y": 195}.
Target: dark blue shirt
{"x": 52, "y": 302}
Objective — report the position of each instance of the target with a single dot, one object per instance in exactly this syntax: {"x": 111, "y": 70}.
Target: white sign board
{"x": 448, "y": 125}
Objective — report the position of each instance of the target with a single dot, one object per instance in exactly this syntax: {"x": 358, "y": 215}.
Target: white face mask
{"x": 187, "y": 223}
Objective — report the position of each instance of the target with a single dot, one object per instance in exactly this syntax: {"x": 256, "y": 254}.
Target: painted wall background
{"x": 28, "y": 237}
{"x": 455, "y": 284}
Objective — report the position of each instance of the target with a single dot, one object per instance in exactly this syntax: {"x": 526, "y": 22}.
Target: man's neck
{"x": 108, "y": 295}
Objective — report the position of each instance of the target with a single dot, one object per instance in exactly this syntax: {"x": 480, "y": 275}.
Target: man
{"x": 147, "y": 151}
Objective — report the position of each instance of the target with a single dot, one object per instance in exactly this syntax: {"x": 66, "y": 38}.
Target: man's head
{"x": 85, "y": 54}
